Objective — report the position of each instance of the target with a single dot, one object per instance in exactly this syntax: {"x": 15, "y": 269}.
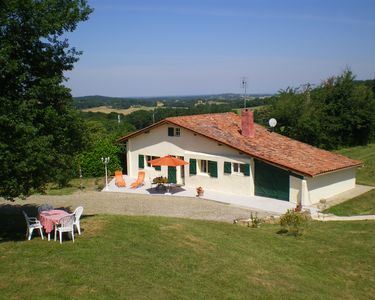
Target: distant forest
{"x": 235, "y": 100}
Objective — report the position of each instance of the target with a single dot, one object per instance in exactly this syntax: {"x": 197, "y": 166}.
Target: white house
{"x": 231, "y": 154}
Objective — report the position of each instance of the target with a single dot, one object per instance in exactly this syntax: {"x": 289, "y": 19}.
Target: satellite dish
{"x": 272, "y": 122}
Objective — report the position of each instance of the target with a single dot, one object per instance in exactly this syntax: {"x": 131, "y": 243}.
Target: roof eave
{"x": 337, "y": 170}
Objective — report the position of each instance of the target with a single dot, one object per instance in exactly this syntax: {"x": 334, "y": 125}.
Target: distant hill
{"x": 115, "y": 102}
{"x": 172, "y": 101}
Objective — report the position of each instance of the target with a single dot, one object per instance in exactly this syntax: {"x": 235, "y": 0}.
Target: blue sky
{"x": 189, "y": 47}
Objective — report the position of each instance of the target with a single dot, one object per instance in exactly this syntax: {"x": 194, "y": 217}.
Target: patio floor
{"x": 255, "y": 202}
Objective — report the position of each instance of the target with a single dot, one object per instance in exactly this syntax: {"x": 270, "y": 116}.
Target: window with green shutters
{"x": 241, "y": 169}
{"x": 192, "y": 166}
{"x": 212, "y": 168}
{"x": 227, "y": 167}
{"x": 141, "y": 161}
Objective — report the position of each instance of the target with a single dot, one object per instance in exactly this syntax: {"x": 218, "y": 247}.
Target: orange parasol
{"x": 168, "y": 161}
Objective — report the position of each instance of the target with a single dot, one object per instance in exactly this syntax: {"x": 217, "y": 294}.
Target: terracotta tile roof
{"x": 267, "y": 146}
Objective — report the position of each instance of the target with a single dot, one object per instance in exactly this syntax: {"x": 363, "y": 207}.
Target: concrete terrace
{"x": 255, "y": 202}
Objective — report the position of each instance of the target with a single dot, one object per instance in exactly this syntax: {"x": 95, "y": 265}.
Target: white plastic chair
{"x": 65, "y": 225}
{"x": 77, "y": 215}
{"x": 32, "y": 223}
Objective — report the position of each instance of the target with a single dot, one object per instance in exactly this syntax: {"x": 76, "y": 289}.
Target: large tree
{"x": 40, "y": 132}
{"x": 339, "y": 112}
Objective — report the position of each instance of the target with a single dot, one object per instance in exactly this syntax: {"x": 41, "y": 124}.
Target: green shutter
{"x": 141, "y": 161}
{"x": 193, "y": 166}
{"x": 158, "y": 168}
{"x": 247, "y": 170}
{"x": 172, "y": 175}
{"x": 170, "y": 131}
{"x": 212, "y": 168}
{"x": 227, "y": 167}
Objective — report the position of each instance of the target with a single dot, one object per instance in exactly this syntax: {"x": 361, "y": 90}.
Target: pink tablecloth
{"x": 49, "y": 218}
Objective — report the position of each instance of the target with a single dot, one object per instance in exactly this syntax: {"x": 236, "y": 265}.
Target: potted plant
{"x": 160, "y": 182}
{"x": 200, "y": 191}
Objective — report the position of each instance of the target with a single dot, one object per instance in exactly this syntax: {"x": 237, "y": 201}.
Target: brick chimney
{"x": 247, "y": 123}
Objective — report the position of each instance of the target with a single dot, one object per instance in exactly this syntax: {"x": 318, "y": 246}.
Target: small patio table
{"x": 50, "y": 218}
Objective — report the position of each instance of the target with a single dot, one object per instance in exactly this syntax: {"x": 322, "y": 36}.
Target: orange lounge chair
{"x": 139, "y": 181}
{"x": 119, "y": 180}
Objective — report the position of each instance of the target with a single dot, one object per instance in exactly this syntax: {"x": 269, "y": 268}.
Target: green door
{"x": 271, "y": 181}
{"x": 172, "y": 175}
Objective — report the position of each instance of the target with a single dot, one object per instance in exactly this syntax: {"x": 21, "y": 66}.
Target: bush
{"x": 160, "y": 180}
{"x": 254, "y": 220}
{"x": 293, "y": 222}
{"x": 91, "y": 162}
{"x": 99, "y": 183}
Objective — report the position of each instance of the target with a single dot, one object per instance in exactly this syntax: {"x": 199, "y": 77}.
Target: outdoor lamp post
{"x": 105, "y": 161}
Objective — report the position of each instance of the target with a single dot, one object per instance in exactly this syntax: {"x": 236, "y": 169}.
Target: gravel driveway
{"x": 133, "y": 204}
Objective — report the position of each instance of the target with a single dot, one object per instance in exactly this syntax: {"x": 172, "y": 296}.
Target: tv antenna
{"x": 244, "y": 87}
{"x": 272, "y": 122}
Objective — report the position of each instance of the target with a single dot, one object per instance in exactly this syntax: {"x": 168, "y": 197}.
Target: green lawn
{"x": 87, "y": 184}
{"x": 361, "y": 205}
{"x": 366, "y": 174}
{"x": 121, "y": 257}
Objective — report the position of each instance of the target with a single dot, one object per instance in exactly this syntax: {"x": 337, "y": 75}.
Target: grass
{"x": 88, "y": 184}
{"x": 122, "y": 257}
{"x": 361, "y": 205}
{"x": 365, "y": 203}
{"x": 365, "y": 174}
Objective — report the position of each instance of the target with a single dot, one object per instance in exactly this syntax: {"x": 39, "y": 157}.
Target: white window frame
{"x": 203, "y": 162}
{"x": 239, "y": 166}
{"x": 148, "y": 157}
{"x": 176, "y": 131}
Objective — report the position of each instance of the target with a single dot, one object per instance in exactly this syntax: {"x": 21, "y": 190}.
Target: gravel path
{"x": 133, "y": 204}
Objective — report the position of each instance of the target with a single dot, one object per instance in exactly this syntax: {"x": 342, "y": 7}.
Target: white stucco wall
{"x": 189, "y": 145}
{"x": 295, "y": 189}
{"x": 321, "y": 187}
{"x": 331, "y": 184}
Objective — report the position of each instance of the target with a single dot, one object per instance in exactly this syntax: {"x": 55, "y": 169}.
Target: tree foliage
{"x": 339, "y": 112}
{"x": 91, "y": 163}
{"x": 103, "y": 131}
{"x": 40, "y": 131}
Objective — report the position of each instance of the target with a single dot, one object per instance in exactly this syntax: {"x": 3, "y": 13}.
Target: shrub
{"x": 293, "y": 222}
{"x": 91, "y": 162}
{"x": 254, "y": 220}
{"x": 160, "y": 180}
{"x": 99, "y": 183}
